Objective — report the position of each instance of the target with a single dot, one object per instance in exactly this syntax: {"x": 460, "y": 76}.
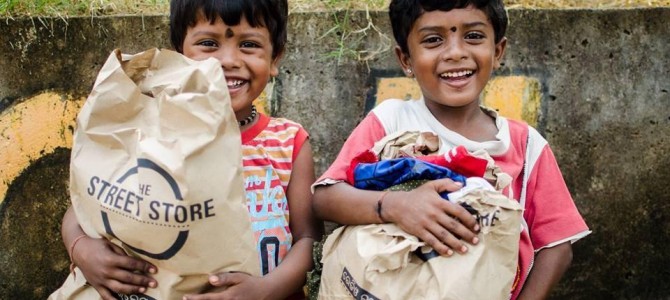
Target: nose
{"x": 229, "y": 58}
{"x": 455, "y": 50}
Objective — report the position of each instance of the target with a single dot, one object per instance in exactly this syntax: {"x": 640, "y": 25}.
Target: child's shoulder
{"x": 391, "y": 112}
{"x": 284, "y": 127}
{"x": 522, "y": 131}
{"x": 283, "y": 122}
{"x": 524, "y": 136}
{"x": 392, "y": 104}
{"x": 272, "y": 128}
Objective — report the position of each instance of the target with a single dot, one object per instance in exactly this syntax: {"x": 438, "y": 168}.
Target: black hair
{"x": 403, "y": 14}
{"x": 271, "y": 14}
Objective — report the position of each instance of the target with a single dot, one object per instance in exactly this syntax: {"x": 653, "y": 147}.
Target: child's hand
{"x": 109, "y": 269}
{"x": 434, "y": 220}
{"x": 233, "y": 286}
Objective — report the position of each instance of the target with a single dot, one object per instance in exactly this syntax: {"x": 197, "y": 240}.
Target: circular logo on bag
{"x": 155, "y": 205}
{"x": 133, "y": 297}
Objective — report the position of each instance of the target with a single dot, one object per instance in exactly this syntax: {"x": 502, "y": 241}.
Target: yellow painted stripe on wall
{"x": 262, "y": 104}
{"x": 397, "y": 88}
{"x": 32, "y": 129}
{"x": 514, "y": 97}
{"x": 263, "y": 101}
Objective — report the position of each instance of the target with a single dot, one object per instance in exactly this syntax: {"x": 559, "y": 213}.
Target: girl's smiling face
{"x": 452, "y": 55}
{"x": 245, "y": 54}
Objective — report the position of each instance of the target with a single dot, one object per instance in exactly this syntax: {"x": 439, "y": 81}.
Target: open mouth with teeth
{"x": 457, "y": 75}
{"x": 233, "y": 84}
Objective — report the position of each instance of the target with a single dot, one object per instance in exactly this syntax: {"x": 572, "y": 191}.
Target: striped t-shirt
{"x": 269, "y": 148}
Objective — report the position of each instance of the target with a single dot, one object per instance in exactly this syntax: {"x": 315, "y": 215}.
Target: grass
{"x": 61, "y": 8}
{"x": 348, "y": 37}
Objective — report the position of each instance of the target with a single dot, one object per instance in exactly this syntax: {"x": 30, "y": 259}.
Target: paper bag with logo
{"x": 385, "y": 262}
{"x": 156, "y": 169}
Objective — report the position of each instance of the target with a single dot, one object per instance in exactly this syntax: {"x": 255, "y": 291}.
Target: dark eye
{"x": 431, "y": 40}
{"x": 248, "y": 44}
{"x": 474, "y": 36}
{"x": 207, "y": 43}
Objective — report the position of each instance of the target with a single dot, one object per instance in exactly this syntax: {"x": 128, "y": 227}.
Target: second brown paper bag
{"x": 384, "y": 262}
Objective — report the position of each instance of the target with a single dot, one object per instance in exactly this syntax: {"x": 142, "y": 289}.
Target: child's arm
{"x": 289, "y": 277}
{"x": 106, "y": 266}
{"x": 421, "y": 212}
{"x": 549, "y": 266}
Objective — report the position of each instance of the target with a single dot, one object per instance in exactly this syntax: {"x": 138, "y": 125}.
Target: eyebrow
{"x": 206, "y": 32}
{"x": 228, "y": 33}
{"x": 251, "y": 34}
{"x": 440, "y": 28}
{"x": 474, "y": 24}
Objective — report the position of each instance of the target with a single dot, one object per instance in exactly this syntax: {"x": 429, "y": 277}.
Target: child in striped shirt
{"x": 248, "y": 38}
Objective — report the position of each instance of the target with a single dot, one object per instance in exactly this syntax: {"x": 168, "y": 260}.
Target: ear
{"x": 405, "y": 62}
{"x": 499, "y": 53}
{"x": 274, "y": 65}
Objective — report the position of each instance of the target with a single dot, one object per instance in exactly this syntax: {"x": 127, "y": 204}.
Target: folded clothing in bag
{"x": 384, "y": 262}
{"x": 156, "y": 168}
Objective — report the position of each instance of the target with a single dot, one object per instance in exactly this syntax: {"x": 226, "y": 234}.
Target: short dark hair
{"x": 403, "y": 14}
{"x": 271, "y": 14}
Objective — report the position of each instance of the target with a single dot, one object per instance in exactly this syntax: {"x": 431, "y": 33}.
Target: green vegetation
{"x": 348, "y": 34}
{"x": 62, "y": 8}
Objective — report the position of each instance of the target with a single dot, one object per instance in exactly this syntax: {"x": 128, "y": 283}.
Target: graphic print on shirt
{"x": 268, "y": 209}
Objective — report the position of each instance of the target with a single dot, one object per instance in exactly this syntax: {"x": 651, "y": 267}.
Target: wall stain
{"x": 32, "y": 254}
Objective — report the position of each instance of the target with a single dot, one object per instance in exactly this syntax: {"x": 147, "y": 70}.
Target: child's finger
{"x": 133, "y": 279}
{"x": 132, "y": 263}
{"x": 226, "y": 279}
{"x": 435, "y": 243}
{"x": 125, "y": 288}
{"x": 136, "y": 264}
{"x": 446, "y": 185}
{"x": 462, "y": 215}
{"x": 118, "y": 250}
{"x": 452, "y": 233}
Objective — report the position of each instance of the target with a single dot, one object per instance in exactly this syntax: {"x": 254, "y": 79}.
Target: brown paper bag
{"x": 406, "y": 144}
{"x": 156, "y": 168}
{"x": 384, "y": 262}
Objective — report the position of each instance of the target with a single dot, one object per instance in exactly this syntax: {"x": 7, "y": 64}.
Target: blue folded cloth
{"x": 387, "y": 173}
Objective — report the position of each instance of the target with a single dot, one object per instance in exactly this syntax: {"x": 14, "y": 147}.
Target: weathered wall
{"x": 603, "y": 106}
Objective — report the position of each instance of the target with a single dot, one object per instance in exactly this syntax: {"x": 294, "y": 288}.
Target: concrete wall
{"x": 595, "y": 82}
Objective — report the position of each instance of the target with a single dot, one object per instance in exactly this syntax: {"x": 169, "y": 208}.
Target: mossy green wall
{"x": 595, "y": 82}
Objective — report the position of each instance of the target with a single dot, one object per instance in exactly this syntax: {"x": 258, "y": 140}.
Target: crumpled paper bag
{"x": 156, "y": 168}
{"x": 384, "y": 262}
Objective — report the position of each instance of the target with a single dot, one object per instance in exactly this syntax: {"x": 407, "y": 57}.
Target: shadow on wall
{"x": 35, "y": 155}
{"x": 33, "y": 260}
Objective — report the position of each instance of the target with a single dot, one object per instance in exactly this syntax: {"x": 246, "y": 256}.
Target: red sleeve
{"x": 300, "y": 137}
{"x": 550, "y": 211}
{"x": 364, "y": 136}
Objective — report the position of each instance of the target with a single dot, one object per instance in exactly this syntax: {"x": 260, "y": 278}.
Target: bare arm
{"x": 290, "y": 275}
{"x": 421, "y": 212}
{"x": 106, "y": 266}
{"x": 550, "y": 265}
